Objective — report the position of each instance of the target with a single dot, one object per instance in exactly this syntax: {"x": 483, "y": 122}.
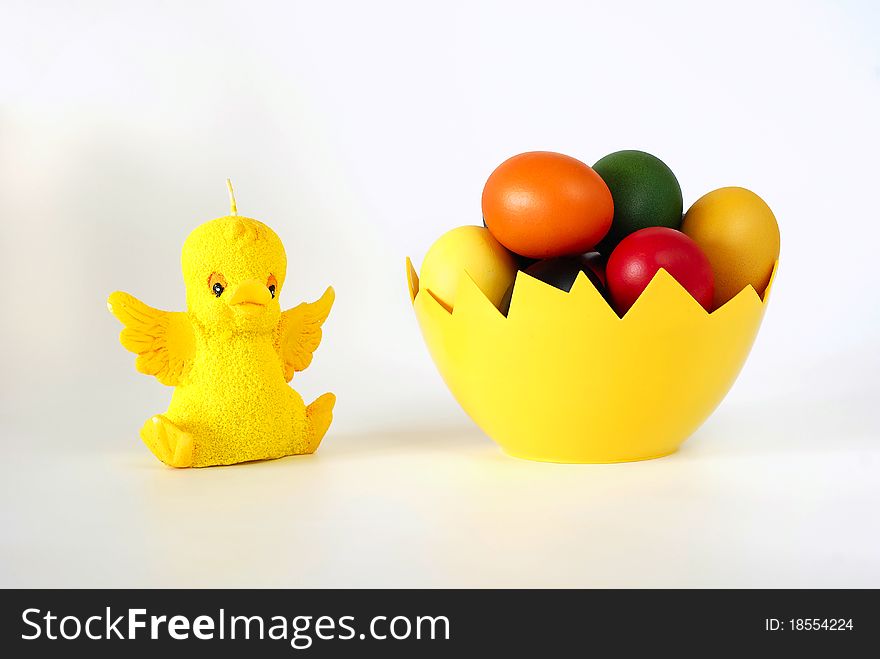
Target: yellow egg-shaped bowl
{"x": 562, "y": 378}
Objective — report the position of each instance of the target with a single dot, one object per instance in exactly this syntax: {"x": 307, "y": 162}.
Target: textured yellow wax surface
{"x": 229, "y": 362}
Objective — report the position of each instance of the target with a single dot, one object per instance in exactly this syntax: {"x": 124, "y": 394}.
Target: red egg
{"x": 639, "y": 256}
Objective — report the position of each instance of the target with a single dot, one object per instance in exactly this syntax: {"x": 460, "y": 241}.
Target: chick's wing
{"x": 299, "y": 333}
{"x": 162, "y": 340}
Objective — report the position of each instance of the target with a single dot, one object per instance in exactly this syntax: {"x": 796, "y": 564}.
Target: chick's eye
{"x": 218, "y": 289}
{"x": 272, "y": 290}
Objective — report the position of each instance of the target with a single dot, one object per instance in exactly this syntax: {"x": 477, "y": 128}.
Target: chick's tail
{"x": 320, "y": 414}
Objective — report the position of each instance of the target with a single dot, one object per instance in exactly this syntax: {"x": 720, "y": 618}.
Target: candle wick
{"x": 232, "y": 207}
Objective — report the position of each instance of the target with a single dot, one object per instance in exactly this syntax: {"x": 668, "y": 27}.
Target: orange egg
{"x": 543, "y": 204}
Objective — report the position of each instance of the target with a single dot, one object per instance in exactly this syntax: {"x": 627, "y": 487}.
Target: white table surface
{"x": 788, "y": 498}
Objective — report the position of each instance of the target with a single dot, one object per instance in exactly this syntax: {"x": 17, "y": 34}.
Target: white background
{"x": 361, "y": 132}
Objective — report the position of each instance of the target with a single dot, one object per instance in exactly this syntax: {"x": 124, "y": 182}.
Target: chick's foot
{"x": 320, "y": 414}
{"x": 168, "y": 442}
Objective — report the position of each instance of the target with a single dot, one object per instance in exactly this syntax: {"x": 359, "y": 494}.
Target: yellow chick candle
{"x": 230, "y": 356}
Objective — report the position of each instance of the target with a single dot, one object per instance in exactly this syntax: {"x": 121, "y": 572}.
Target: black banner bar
{"x": 314, "y": 623}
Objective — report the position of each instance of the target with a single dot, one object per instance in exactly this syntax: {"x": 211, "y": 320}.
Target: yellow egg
{"x": 738, "y": 233}
{"x": 472, "y": 250}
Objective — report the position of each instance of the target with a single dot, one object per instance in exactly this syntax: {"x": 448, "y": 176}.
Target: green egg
{"x": 645, "y": 192}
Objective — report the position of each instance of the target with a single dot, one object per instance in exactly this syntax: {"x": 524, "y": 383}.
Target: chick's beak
{"x": 250, "y": 294}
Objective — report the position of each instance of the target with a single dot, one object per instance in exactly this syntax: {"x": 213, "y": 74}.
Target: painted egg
{"x": 640, "y": 255}
{"x": 596, "y": 263}
{"x": 467, "y": 251}
{"x": 562, "y": 272}
{"x": 738, "y": 232}
{"x": 645, "y": 192}
{"x": 543, "y": 204}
